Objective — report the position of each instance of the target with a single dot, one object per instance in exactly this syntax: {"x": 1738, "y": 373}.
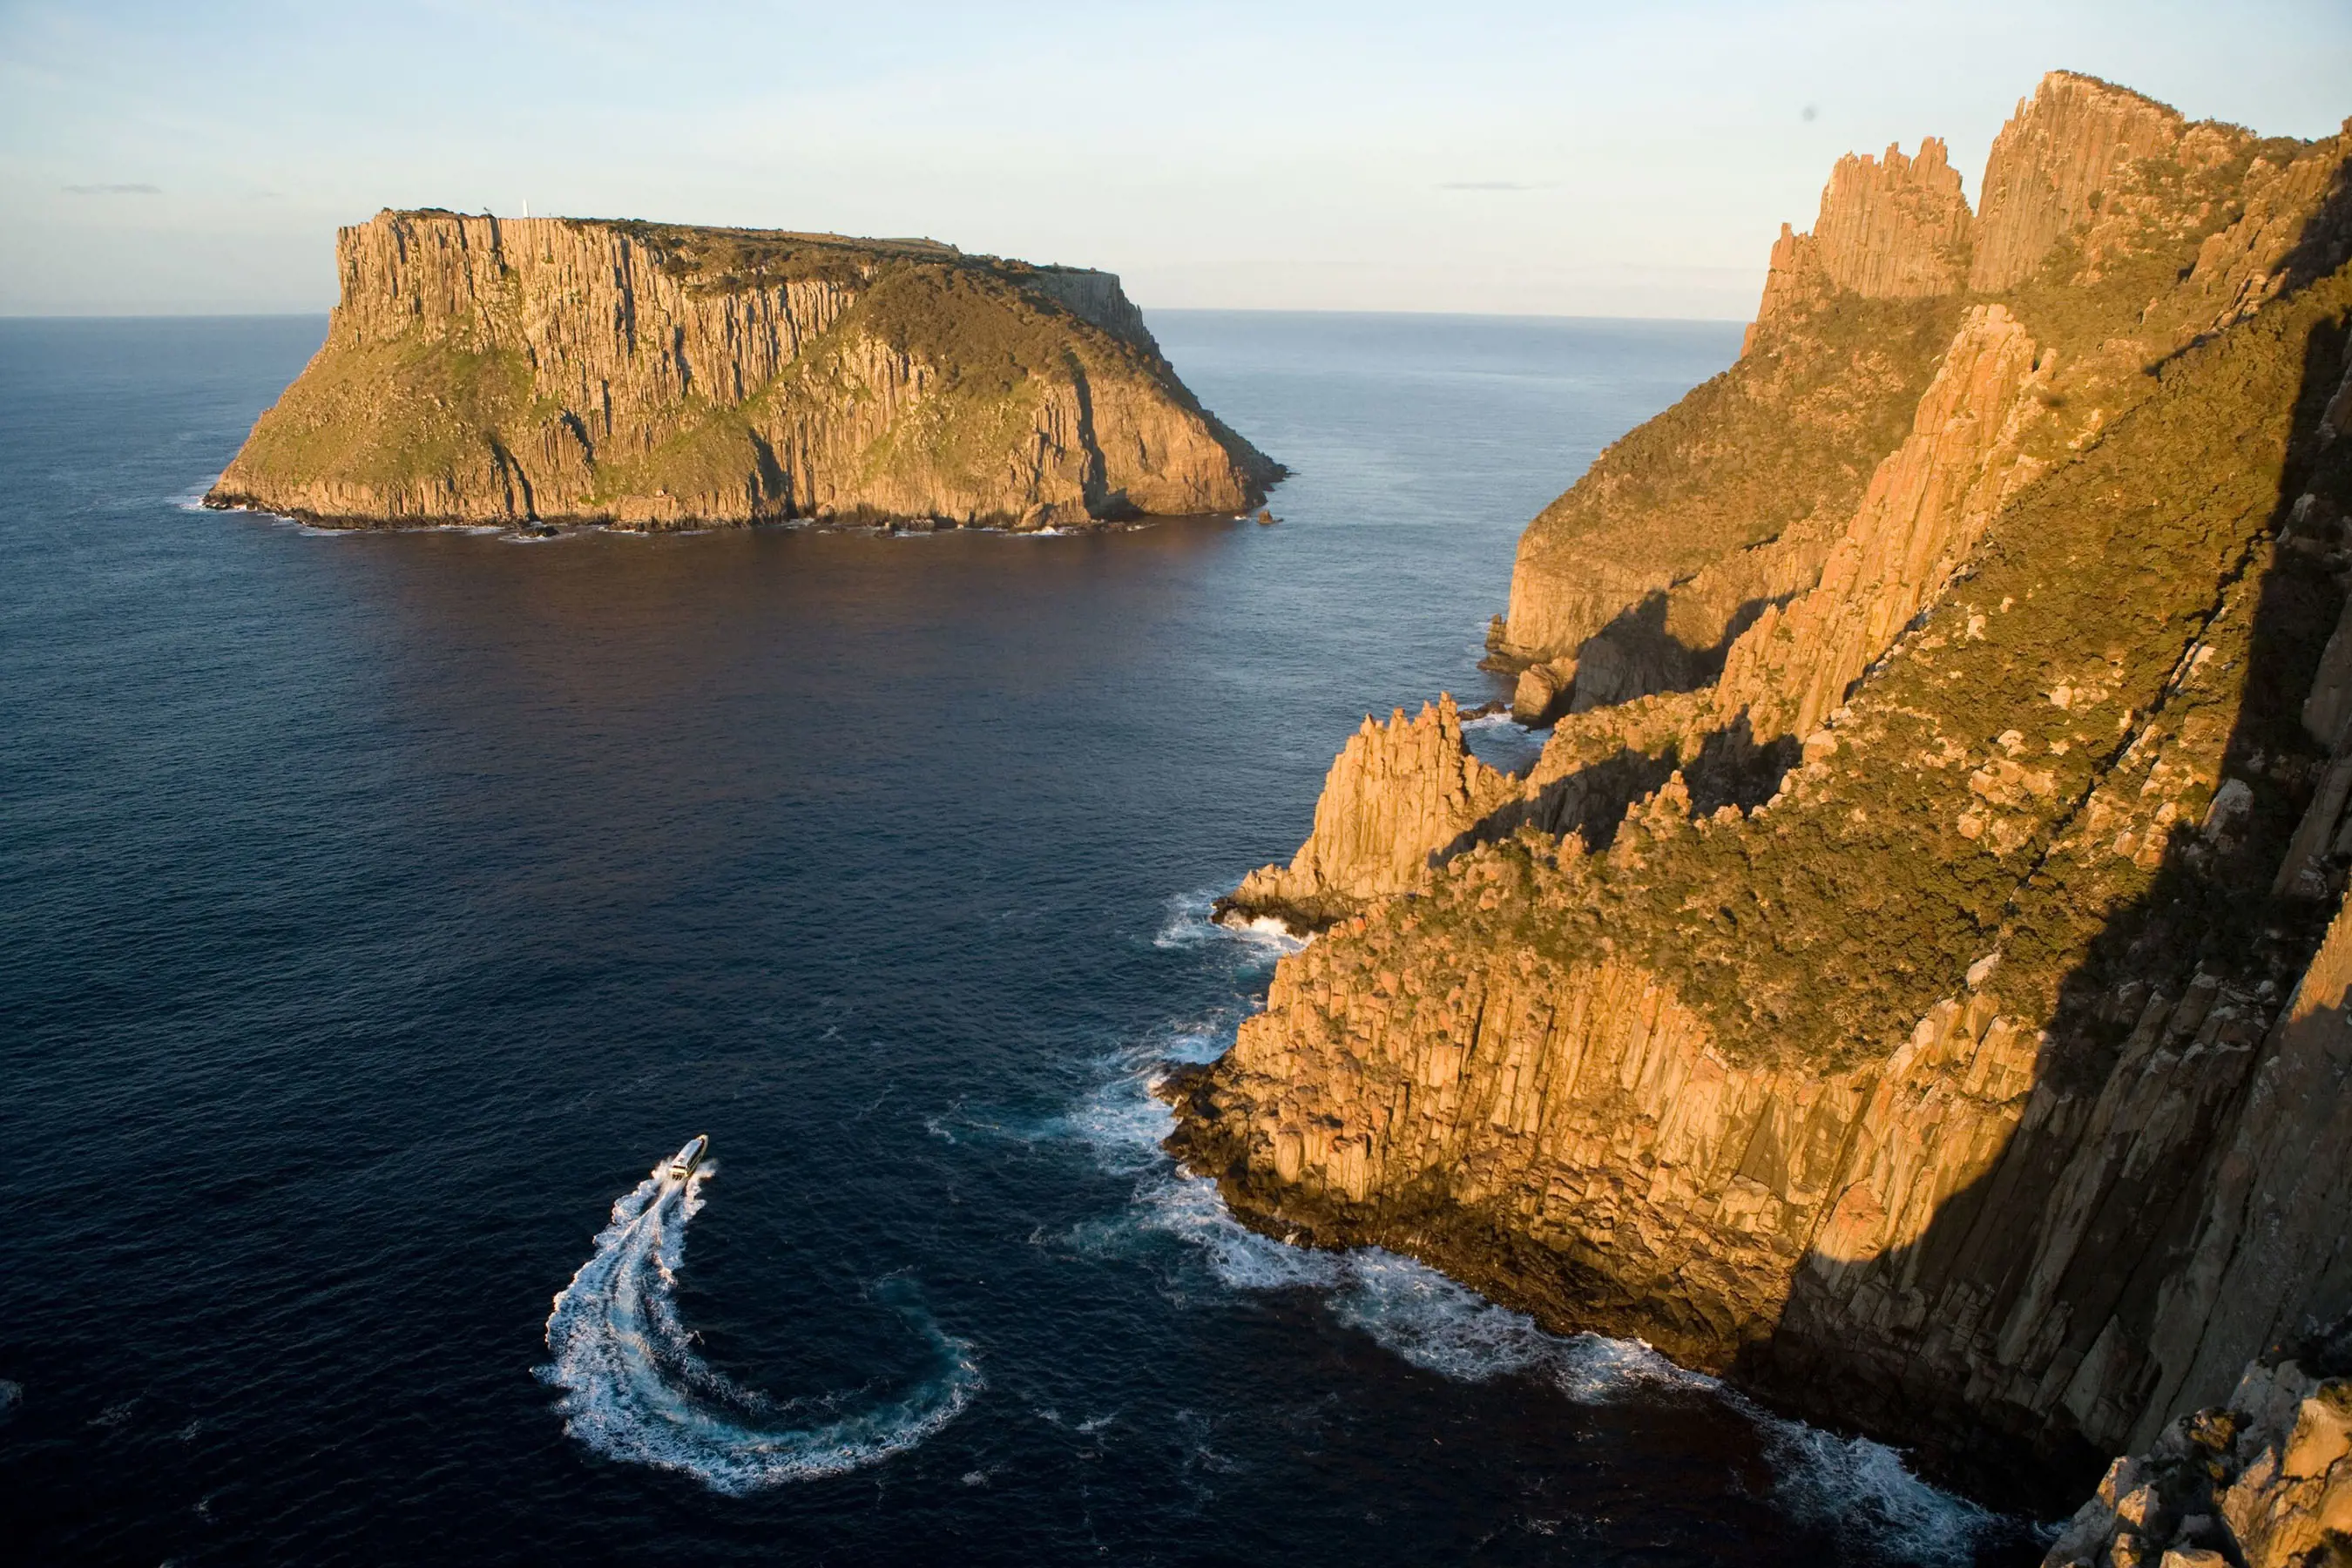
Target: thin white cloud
{"x": 126, "y": 190}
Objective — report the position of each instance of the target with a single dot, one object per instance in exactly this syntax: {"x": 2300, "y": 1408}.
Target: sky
{"x": 1542, "y": 159}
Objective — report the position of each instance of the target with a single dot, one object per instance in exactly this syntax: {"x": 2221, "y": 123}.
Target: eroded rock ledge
{"x": 2263, "y": 1479}
{"x": 1910, "y": 997}
{"x": 481, "y": 370}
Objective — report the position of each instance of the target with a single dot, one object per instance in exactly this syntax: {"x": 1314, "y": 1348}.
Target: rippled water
{"x": 375, "y": 911}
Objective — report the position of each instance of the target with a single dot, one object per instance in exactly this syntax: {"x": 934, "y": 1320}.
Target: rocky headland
{"x": 484, "y": 370}
{"x": 1912, "y": 980}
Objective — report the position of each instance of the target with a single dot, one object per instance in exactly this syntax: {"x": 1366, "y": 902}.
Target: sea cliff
{"x": 1911, "y": 981}
{"x": 486, "y": 369}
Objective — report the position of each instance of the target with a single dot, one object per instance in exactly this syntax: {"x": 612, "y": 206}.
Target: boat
{"x": 682, "y": 1165}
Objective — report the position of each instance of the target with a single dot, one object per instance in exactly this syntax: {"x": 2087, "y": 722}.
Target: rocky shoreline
{"x": 1911, "y": 983}
{"x": 550, "y": 528}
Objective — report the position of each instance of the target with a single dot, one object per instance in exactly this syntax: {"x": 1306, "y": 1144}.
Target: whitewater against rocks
{"x": 1860, "y": 1491}
{"x": 1891, "y": 972}
{"x": 635, "y": 1389}
{"x": 1910, "y": 983}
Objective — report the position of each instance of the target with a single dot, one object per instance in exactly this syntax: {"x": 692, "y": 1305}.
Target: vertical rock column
{"x": 1397, "y": 797}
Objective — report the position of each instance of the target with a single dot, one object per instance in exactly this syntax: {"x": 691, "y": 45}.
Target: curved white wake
{"x": 634, "y": 1389}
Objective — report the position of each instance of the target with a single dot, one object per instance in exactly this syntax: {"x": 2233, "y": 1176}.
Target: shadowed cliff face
{"x": 482, "y": 369}
{"x": 1895, "y": 1022}
{"x": 2057, "y": 1285}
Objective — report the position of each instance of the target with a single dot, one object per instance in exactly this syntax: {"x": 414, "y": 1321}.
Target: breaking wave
{"x": 634, "y": 1389}
{"x": 1502, "y": 742}
{"x": 1862, "y": 1492}
{"x": 1189, "y": 923}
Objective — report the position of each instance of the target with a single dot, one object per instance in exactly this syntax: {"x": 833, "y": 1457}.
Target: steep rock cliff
{"x": 2097, "y": 200}
{"x": 1927, "y": 504}
{"x": 1898, "y": 1022}
{"x": 1808, "y": 411}
{"x": 488, "y": 370}
{"x": 1889, "y": 229}
{"x": 2058, "y": 151}
{"x": 1390, "y": 810}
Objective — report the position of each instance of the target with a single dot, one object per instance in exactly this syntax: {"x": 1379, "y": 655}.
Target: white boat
{"x": 682, "y": 1163}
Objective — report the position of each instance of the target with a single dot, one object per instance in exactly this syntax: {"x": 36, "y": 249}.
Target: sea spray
{"x": 1862, "y": 1492}
{"x": 635, "y": 1389}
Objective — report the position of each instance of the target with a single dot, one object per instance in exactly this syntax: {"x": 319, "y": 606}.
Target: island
{"x": 553, "y": 370}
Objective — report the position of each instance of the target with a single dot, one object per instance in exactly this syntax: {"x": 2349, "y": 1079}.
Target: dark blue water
{"x": 375, "y": 912}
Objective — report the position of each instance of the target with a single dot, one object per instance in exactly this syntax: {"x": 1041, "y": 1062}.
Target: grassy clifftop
{"x": 2132, "y": 633}
{"x": 1830, "y": 375}
{"x": 662, "y": 375}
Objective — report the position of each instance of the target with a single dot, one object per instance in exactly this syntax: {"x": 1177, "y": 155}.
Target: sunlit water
{"x": 374, "y": 910}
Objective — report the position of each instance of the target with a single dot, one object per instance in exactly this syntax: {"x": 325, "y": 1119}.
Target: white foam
{"x": 1502, "y": 742}
{"x": 635, "y": 1389}
{"x": 1408, "y": 1308}
{"x": 1449, "y": 1328}
{"x": 296, "y": 523}
{"x": 1264, "y": 927}
{"x": 193, "y": 498}
{"x": 1863, "y": 1491}
{"x": 1191, "y": 922}
{"x": 1858, "y": 1488}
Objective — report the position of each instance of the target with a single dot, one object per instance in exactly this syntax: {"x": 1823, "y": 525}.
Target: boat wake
{"x": 634, "y": 1389}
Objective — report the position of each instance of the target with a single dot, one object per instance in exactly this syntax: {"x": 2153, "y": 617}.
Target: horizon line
{"x": 1163, "y": 309}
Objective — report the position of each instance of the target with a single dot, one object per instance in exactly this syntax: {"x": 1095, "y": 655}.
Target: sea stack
{"x": 485, "y": 370}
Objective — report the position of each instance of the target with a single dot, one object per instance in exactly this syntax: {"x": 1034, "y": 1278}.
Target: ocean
{"x": 378, "y": 912}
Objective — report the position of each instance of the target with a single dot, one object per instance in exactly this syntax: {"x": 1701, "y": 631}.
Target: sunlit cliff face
{"x": 653, "y": 377}
{"x": 1861, "y": 990}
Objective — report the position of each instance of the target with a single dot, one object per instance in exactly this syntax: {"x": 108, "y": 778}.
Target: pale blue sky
{"x": 1541, "y": 158}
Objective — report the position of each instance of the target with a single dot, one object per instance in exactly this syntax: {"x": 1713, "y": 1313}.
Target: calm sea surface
{"x": 375, "y": 912}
